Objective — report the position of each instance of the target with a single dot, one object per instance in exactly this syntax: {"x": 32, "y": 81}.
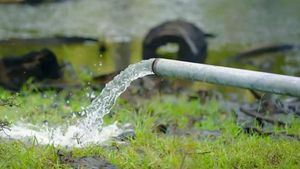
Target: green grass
{"x": 149, "y": 149}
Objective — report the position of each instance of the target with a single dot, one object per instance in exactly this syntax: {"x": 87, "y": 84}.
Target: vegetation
{"x": 184, "y": 146}
{"x": 179, "y": 130}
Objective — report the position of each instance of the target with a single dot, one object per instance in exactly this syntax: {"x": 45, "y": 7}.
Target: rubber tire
{"x": 191, "y": 41}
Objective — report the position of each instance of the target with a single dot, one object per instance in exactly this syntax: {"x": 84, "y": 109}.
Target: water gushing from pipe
{"x": 88, "y": 130}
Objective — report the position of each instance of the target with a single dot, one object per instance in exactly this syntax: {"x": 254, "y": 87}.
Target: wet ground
{"x": 205, "y": 109}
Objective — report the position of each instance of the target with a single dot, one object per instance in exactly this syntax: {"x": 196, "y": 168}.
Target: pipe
{"x": 265, "y": 82}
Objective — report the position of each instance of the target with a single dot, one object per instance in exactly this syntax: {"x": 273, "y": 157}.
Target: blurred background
{"x": 97, "y": 37}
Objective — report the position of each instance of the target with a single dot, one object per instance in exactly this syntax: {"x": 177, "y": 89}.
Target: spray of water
{"x": 88, "y": 130}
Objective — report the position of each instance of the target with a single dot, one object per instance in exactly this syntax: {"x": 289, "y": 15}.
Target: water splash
{"x": 103, "y": 103}
{"x": 88, "y": 130}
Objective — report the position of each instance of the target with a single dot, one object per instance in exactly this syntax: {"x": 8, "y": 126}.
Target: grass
{"x": 232, "y": 149}
{"x": 149, "y": 149}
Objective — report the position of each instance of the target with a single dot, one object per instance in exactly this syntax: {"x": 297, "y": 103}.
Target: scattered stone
{"x": 86, "y": 162}
{"x": 172, "y": 129}
{"x": 267, "y": 111}
{"x": 281, "y": 135}
{"x": 260, "y": 118}
{"x": 127, "y": 134}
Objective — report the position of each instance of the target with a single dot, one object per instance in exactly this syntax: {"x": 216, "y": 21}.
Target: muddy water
{"x": 233, "y": 21}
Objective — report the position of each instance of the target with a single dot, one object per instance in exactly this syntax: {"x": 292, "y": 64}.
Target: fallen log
{"x": 265, "y": 50}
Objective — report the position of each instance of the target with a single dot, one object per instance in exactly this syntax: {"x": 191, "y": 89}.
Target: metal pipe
{"x": 265, "y": 82}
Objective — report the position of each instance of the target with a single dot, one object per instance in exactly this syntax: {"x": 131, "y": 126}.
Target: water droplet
{"x": 89, "y": 128}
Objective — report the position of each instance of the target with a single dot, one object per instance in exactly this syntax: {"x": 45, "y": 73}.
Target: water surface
{"x": 233, "y": 21}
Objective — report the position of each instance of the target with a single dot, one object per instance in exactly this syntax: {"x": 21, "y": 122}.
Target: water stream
{"x": 90, "y": 129}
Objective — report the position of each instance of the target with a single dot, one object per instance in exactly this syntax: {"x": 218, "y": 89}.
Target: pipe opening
{"x": 153, "y": 67}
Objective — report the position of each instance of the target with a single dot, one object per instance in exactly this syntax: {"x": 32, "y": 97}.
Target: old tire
{"x": 190, "y": 39}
